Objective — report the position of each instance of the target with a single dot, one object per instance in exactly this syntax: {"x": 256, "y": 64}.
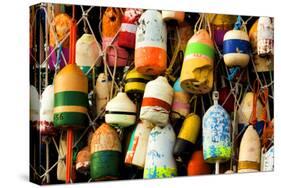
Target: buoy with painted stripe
{"x": 151, "y": 44}
{"x": 34, "y": 105}
{"x": 157, "y": 100}
{"x": 265, "y": 36}
{"x": 71, "y": 97}
{"x": 236, "y": 48}
{"x": 59, "y": 29}
{"x": 159, "y": 162}
{"x": 127, "y": 35}
{"x": 138, "y": 144}
{"x": 187, "y": 137}
{"x": 196, "y": 165}
{"x": 120, "y": 111}
{"x": 173, "y": 15}
{"x": 197, "y": 69}
{"x": 83, "y": 160}
{"x": 250, "y": 151}
{"x": 105, "y": 154}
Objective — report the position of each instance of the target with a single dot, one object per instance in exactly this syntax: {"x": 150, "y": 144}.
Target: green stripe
{"x": 65, "y": 119}
{"x": 71, "y": 98}
{"x": 200, "y": 48}
{"x": 105, "y": 165}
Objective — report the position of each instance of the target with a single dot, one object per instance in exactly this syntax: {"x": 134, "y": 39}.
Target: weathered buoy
{"x": 156, "y": 103}
{"x": 250, "y": 151}
{"x": 196, "y": 165}
{"x": 59, "y": 28}
{"x": 267, "y": 160}
{"x": 187, "y": 137}
{"x": 34, "y": 105}
{"x": 127, "y": 35}
{"x": 159, "y": 162}
{"x": 105, "y": 154}
{"x": 83, "y": 160}
{"x": 236, "y": 48}
{"x": 173, "y": 15}
{"x": 151, "y": 44}
{"x": 71, "y": 97}
{"x": 265, "y": 36}
{"x": 197, "y": 69}
{"x": 138, "y": 144}
{"x": 120, "y": 111}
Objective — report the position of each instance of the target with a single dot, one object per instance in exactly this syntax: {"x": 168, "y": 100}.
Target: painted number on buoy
{"x": 58, "y": 117}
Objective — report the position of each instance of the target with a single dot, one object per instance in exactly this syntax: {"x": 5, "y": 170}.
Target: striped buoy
{"x": 196, "y": 165}
{"x": 127, "y": 35}
{"x": 187, "y": 137}
{"x": 34, "y": 105}
{"x": 105, "y": 154}
{"x": 120, "y": 111}
{"x": 159, "y": 162}
{"x": 236, "y": 48}
{"x": 173, "y": 15}
{"x": 197, "y": 69}
{"x": 250, "y": 151}
{"x": 138, "y": 144}
{"x": 83, "y": 160}
{"x": 265, "y": 36}
{"x": 71, "y": 97}
{"x": 151, "y": 44}
{"x": 157, "y": 100}
{"x": 267, "y": 160}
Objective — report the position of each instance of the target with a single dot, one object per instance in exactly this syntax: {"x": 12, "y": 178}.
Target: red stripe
{"x": 150, "y": 101}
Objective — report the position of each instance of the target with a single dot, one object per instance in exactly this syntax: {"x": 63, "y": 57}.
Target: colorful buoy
{"x": 173, "y": 15}
{"x": 196, "y": 165}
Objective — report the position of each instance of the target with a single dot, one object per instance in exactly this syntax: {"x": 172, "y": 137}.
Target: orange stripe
{"x": 150, "y": 101}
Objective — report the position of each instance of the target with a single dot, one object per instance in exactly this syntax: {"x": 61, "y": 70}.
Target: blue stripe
{"x": 236, "y": 46}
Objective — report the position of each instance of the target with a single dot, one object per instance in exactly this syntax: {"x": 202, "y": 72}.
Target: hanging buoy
{"x": 83, "y": 160}
{"x": 196, "y": 165}
{"x": 127, "y": 35}
{"x": 173, "y": 15}
{"x": 159, "y": 162}
{"x": 71, "y": 97}
{"x": 59, "y": 28}
{"x": 250, "y": 151}
{"x": 265, "y": 36}
{"x": 187, "y": 137}
{"x": 87, "y": 52}
{"x": 47, "y": 112}
{"x": 120, "y": 111}
{"x": 135, "y": 82}
{"x": 157, "y": 100}
{"x": 267, "y": 160}
{"x": 105, "y": 154}
{"x": 34, "y": 105}
{"x": 138, "y": 144}
{"x": 151, "y": 44}
{"x": 197, "y": 69}
{"x": 216, "y": 133}
{"x": 102, "y": 90}
{"x": 180, "y": 105}
{"x": 236, "y": 48}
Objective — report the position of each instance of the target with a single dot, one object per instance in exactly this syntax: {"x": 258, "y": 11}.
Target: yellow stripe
{"x": 70, "y": 109}
{"x": 248, "y": 165}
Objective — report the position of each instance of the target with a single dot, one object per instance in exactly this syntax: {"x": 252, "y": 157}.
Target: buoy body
{"x": 151, "y": 44}
{"x": 173, "y": 15}
{"x": 265, "y": 36}
{"x": 138, "y": 144}
{"x": 159, "y": 162}
{"x": 34, "y": 105}
{"x": 71, "y": 97}
{"x": 127, "y": 35}
{"x": 197, "y": 69}
{"x": 120, "y": 111}
{"x": 83, "y": 160}
{"x": 157, "y": 100}
{"x": 196, "y": 165}
{"x": 250, "y": 151}
{"x": 105, "y": 154}
{"x": 236, "y": 48}
{"x": 216, "y": 135}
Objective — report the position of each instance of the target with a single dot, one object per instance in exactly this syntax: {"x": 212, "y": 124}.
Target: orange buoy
{"x": 196, "y": 165}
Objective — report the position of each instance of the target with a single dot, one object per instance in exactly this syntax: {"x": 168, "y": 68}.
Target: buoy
{"x": 180, "y": 105}
{"x": 83, "y": 160}
{"x": 87, "y": 52}
{"x": 135, "y": 82}
{"x": 173, "y": 15}
{"x": 34, "y": 105}
{"x": 59, "y": 28}
{"x": 196, "y": 165}
{"x": 102, "y": 90}
{"x": 265, "y": 36}
{"x": 267, "y": 160}
{"x": 138, "y": 144}
{"x": 157, "y": 100}
{"x": 47, "y": 112}
{"x": 187, "y": 137}
{"x": 120, "y": 111}
{"x": 250, "y": 151}
{"x": 151, "y": 44}
{"x": 159, "y": 162}
{"x": 127, "y": 35}
{"x": 236, "y": 48}
{"x": 197, "y": 69}
{"x": 105, "y": 154}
